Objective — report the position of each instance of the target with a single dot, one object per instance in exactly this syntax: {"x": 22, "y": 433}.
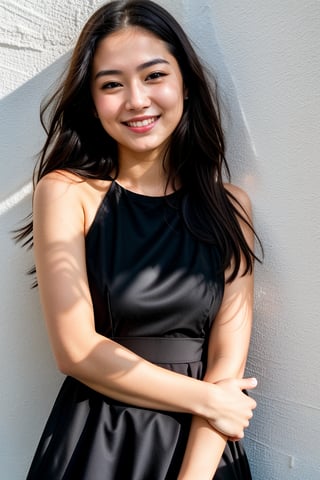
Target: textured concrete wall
{"x": 265, "y": 55}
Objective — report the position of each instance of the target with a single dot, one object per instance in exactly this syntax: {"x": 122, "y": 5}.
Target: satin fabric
{"x": 156, "y": 290}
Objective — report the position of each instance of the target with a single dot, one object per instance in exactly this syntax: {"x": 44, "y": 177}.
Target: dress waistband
{"x": 164, "y": 349}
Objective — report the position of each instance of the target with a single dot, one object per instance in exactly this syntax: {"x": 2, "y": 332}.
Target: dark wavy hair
{"x": 195, "y": 158}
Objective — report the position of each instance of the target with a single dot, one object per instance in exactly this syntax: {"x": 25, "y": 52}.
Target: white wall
{"x": 266, "y": 58}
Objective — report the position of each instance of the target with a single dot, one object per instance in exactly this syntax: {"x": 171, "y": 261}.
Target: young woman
{"x": 144, "y": 262}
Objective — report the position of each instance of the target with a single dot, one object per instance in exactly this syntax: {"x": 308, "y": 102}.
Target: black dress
{"x": 155, "y": 290}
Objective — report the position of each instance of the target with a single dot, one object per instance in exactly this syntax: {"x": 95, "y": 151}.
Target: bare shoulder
{"x": 58, "y": 213}
{"x": 65, "y": 195}
{"x": 242, "y": 204}
{"x": 239, "y": 197}
{"x": 57, "y": 183}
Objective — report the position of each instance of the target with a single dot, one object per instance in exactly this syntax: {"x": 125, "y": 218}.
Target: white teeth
{"x": 142, "y": 123}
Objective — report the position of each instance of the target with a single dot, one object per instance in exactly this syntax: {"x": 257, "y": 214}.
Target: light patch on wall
{"x": 15, "y": 198}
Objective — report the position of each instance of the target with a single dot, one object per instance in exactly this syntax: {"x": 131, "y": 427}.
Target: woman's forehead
{"x": 130, "y": 45}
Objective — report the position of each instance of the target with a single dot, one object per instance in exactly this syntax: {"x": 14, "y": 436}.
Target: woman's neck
{"x": 144, "y": 176}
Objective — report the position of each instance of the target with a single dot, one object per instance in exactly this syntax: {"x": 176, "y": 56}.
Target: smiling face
{"x": 137, "y": 89}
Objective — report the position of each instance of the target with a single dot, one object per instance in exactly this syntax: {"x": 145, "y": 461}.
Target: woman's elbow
{"x": 68, "y": 364}
{"x": 65, "y": 366}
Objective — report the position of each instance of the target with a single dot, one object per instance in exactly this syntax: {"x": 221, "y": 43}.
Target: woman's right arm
{"x": 100, "y": 363}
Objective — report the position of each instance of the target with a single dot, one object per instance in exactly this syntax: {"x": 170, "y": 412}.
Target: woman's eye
{"x": 110, "y": 85}
{"x": 156, "y": 75}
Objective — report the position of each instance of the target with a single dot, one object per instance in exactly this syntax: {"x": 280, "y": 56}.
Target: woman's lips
{"x": 142, "y": 124}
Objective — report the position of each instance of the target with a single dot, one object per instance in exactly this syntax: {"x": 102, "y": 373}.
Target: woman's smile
{"x": 142, "y": 124}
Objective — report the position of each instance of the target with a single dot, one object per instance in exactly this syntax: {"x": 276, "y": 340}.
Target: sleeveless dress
{"x": 156, "y": 290}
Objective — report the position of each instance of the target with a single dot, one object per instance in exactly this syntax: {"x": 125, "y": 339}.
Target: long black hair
{"x": 195, "y": 158}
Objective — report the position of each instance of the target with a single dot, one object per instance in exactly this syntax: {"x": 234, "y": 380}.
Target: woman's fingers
{"x": 248, "y": 383}
{"x": 235, "y": 408}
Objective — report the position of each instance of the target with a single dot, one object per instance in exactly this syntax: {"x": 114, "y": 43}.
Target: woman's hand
{"x": 234, "y": 408}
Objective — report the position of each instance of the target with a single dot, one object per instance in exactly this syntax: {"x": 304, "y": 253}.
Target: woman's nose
{"x": 137, "y": 98}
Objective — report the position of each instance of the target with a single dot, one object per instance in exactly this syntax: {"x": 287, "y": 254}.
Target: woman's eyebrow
{"x": 150, "y": 63}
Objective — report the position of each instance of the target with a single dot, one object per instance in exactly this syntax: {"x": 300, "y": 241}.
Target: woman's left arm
{"x": 227, "y": 355}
